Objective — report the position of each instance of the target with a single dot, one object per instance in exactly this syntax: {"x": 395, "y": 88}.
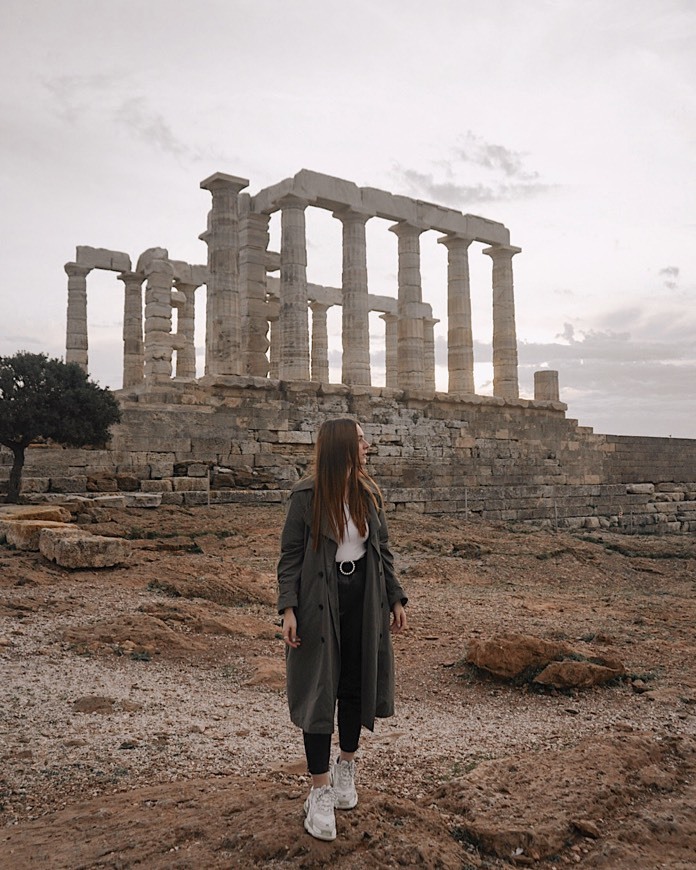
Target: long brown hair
{"x": 339, "y": 478}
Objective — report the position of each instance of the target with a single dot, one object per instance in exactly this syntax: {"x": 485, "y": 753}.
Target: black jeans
{"x": 351, "y": 591}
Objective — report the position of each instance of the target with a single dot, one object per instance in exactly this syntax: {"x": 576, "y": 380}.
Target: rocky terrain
{"x": 143, "y": 721}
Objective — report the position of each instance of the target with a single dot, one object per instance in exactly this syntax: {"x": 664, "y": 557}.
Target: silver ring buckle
{"x": 349, "y": 562}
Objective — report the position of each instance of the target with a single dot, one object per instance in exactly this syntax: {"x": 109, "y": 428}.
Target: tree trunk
{"x": 16, "y": 474}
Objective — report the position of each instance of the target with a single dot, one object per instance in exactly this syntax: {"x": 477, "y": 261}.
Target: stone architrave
{"x": 460, "y": 341}
{"x": 429, "y": 352}
{"x": 158, "y": 323}
{"x": 186, "y": 327}
{"x": 223, "y": 321}
{"x": 294, "y": 311}
{"x": 355, "y": 315}
{"x": 133, "y": 347}
{"x": 505, "y": 383}
{"x": 410, "y": 348}
{"x": 391, "y": 339}
{"x": 252, "y": 281}
{"x": 320, "y": 343}
{"x": 76, "y": 333}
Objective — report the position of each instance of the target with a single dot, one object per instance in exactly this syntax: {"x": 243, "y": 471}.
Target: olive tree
{"x": 47, "y": 398}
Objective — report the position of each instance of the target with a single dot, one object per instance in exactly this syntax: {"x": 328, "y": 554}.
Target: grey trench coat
{"x": 307, "y": 582}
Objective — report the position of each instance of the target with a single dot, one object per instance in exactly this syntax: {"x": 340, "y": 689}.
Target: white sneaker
{"x": 320, "y": 820}
{"x": 343, "y": 782}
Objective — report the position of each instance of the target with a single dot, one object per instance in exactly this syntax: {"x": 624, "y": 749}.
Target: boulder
{"x": 510, "y": 656}
{"x": 78, "y": 549}
{"x": 545, "y": 663}
{"x": 577, "y": 675}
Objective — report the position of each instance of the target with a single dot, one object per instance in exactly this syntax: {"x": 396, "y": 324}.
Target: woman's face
{"x": 363, "y": 446}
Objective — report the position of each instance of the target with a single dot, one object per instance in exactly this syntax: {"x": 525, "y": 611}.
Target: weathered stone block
{"x": 79, "y": 549}
{"x": 143, "y": 499}
{"x": 69, "y": 484}
{"x": 24, "y": 534}
{"x": 35, "y": 484}
{"x": 189, "y": 484}
{"x": 640, "y": 488}
{"x": 164, "y": 485}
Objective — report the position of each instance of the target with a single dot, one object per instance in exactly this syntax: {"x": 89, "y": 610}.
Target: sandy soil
{"x": 143, "y": 720}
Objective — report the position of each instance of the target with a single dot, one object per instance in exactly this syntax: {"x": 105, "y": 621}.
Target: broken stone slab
{"x": 143, "y": 499}
{"x": 56, "y": 513}
{"x": 79, "y": 549}
{"x": 25, "y": 534}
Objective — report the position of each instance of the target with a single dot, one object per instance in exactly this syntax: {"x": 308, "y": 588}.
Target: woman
{"x": 336, "y": 592}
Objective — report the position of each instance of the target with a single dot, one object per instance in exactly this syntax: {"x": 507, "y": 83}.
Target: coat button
{"x": 321, "y": 607}
{"x": 322, "y": 640}
{"x": 321, "y": 574}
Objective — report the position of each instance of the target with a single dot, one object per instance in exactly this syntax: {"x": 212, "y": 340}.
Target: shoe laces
{"x": 345, "y": 772}
{"x": 325, "y": 799}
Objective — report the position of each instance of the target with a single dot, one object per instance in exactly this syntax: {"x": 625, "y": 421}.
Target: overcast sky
{"x": 573, "y": 122}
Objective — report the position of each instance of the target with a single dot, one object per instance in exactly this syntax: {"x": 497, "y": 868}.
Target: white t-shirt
{"x": 352, "y": 547}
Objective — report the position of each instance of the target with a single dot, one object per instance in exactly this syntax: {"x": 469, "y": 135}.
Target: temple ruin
{"x": 244, "y": 430}
{"x": 258, "y": 325}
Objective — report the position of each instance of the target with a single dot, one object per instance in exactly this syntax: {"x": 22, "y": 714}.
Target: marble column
{"x": 133, "y": 348}
{"x": 76, "y": 334}
{"x": 429, "y": 352}
{"x": 410, "y": 347}
{"x": 460, "y": 341}
{"x": 391, "y": 340}
{"x": 320, "y": 343}
{"x": 186, "y": 328}
{"x": 158, "y": 323}
{"x": 546, "y": 386}
{"x": 252, "y": 279}
{"x": 223, "y": 352}
{"x": 294, "y": 312}
{"x": 505, "y": 383}
{"x": 274, "y": 349}
{"x": 355, "y": 314}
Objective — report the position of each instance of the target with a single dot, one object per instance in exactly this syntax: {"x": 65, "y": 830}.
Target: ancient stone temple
{"x": 244, "y": 430}
{"x": 257, "y": 321}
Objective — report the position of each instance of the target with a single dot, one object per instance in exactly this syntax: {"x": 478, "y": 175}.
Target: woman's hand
{"x": 290, "y": 628}
{"x": 399, "y": 621}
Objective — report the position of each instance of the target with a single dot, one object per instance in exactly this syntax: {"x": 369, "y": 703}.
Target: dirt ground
{"x": 143, "y": 721}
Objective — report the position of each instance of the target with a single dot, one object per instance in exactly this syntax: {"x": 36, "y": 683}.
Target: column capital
{"x": 502, "y": 252}
{"x": 352, "y": 215}
{"x": 72, "y": 270}
{"x": 222, "y": 181}
{"x": 320, "y": 306}
{"x": 455, "y": 240}
{"x": 131, "y": 277}
{"x": 404, "y": 228}
{"x": 291, "y": 200}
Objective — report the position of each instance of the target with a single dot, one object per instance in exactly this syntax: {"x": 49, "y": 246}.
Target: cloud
{"x": 498, "y": 158}
{"x": 150, "y": 126}
{"x": 671, "y": 274}
{"x": 501, "y": 171}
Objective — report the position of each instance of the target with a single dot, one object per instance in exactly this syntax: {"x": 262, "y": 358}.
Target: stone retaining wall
{"x": 242, "y": 439}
